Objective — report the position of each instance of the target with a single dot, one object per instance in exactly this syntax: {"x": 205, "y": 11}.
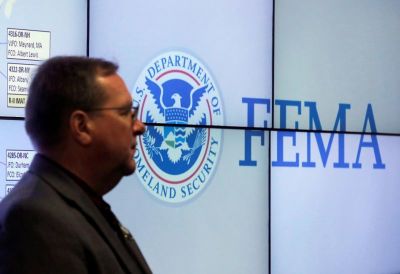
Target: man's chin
{"x": 129, "y": 169}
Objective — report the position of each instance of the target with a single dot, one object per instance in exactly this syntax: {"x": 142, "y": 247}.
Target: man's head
{"x": 79, "y": 112}
{"x": 61, "y": 85}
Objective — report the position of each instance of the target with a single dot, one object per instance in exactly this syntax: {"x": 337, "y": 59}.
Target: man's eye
{"x": 126, "y": 112}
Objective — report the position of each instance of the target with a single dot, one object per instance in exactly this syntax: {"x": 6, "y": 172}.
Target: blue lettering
{"x": 211, "y": 88}
{"x": 190, "y": 189}
{"x": 206, "y": 168}
{"x": 283, "y": 104}
{"x": 139, "y": 165}
{"x": 280, "y": 161}
{"x": 205, "y": 80}
{"x": 324, "y": 152}
{"x": 163, "y": 191}
{"x": 249, "y": 134}
{"x": 195, "y": 186}
{"x": 139, "y": 92}
{"x": 251, "y": 102}
{"x": 339, "y": 129}
{"x": 184, "y": 61}
{"x": 247, "y": 146}
{"x": 163, "y": 62}
{"x": 172, "y": 192}
{"x": 157, "y": 64}
{"x": 145, "y": 175}
{"x": 191, "y": 66}
{"x": 183, "y": 192}
{"x": 199, "y": 72}
{"x": 170, "y": 63}
{"x": 156, "y": 188}
{"x": 201, "y": 177}
{"x": 151, "y": 71}
{"x": 369, "y": 119}
{"x": 177, "y": 60}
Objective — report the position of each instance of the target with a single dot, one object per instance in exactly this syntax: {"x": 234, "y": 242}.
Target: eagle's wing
{"x": 196, "y": 97}
{"x": 149, "y": 119}
{"x": 155, "y": 90}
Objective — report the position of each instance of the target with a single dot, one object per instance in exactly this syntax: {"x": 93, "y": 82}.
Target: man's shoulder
{"x": 38, "y": 211}
{"x": 47, "y": 196}
{"x": 31, "y": 195}
{"x": 35, "y": 219}
{"x": 44, "y": 186}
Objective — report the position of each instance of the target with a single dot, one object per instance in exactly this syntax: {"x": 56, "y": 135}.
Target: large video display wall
{"x": 272, "y": 142}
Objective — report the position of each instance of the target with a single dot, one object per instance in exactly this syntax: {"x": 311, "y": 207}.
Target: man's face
{"x": 115, "y": 131}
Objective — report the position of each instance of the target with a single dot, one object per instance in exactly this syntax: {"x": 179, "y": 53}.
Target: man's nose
{"x": 138, "y": 128}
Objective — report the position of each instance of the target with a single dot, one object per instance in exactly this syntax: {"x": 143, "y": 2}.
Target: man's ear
{"x": 81, "y": 127}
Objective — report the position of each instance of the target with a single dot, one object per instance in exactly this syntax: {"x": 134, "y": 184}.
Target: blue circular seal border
{"x": 175, "y": 163}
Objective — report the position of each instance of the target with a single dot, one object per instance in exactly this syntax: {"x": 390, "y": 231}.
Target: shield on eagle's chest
{"x": 175, "y": 137}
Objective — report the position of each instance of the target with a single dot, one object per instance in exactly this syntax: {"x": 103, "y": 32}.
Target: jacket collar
{"x": 65, "y": 186}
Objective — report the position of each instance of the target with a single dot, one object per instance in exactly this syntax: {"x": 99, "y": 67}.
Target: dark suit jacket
{"x": 48, "y": 224}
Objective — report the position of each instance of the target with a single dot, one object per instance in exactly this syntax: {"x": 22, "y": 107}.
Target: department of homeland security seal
{"x": 175, "y": 163}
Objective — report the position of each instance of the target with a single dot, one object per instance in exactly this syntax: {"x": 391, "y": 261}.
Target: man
{"x": 79, "y": 117}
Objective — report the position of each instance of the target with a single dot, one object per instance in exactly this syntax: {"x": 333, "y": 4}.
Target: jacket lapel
{"x": 70, "y": 191}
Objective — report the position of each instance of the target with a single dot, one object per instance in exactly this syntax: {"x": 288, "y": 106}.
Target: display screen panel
{"x": 334, "y": 211}
{"x": 175, "y": 48}
{"x": 337, "y": 59}
{"x": 30, "y": 33}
